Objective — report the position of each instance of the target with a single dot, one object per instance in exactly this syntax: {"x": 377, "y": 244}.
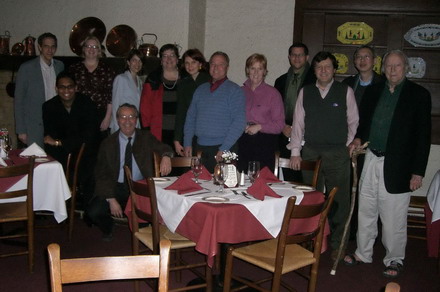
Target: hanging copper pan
{"x": 120, "y": 40}
{"x": 84, "y": 28}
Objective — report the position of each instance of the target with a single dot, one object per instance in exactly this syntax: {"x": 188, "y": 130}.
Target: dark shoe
{"x": 393, "y": 270}
{"x": 107, "y": 237}
{"x": 351, "y": 260}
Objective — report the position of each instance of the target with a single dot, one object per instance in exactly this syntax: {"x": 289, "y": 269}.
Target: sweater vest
{"x": 325, "y": 119}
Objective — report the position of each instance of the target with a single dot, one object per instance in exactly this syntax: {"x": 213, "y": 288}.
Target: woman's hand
{"x": 253, "y": 129}
{"x": 179, "y": 148}
{"x": 105, "y": 124}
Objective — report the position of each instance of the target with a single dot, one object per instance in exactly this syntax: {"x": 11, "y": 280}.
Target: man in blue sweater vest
{"x": 326, "y": 118}
{"x": 216, "y": 115}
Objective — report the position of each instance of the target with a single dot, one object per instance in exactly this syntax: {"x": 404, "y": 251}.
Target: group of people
{"x": 194, "y": 107}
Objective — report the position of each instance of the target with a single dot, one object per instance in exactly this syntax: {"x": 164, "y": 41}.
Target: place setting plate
{"x": 304, "y": 188}
{"x": 215, "y": 199}
{"x": 160, "y": 179}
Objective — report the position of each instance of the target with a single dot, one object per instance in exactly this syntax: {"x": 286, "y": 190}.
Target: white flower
{"x": 229, "y": 156}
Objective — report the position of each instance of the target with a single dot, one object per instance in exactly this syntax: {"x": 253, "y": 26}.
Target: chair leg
{"x": 228, "y": 271}
{"x": 313, "y": 278}
{"x": 208, "y": 276}
{"x": 31, "y": 256}
{"x": 71, "y": 215}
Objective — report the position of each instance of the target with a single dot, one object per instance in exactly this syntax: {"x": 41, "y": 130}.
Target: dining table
{"x": 432, "y": 217}
{"x": 209, "y": 217}
{"x": 50, "y": 187}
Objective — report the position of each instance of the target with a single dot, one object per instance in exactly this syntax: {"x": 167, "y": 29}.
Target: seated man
{"x": 70, "y": 119}
{"x": 128, "y": 146}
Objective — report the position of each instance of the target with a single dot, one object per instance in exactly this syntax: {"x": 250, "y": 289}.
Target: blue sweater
{"x": 216, "y": 118}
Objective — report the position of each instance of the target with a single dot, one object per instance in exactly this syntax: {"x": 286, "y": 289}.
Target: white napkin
{"x": 34, "y": 149}
{"x": 2, "y": 162}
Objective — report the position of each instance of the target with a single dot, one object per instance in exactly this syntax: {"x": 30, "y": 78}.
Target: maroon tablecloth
{"x": 432, "y": 234}
{"x": 210, "y": 224}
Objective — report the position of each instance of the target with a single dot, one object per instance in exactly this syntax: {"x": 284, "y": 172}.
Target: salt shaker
{"x": 241, "y": 184}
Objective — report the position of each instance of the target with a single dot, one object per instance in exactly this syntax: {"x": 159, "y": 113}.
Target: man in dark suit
{"x": 289, "y": 85}
{"x": 395, "y": 116}
{"x": 111, "y": 192}
{"x": 35, "y": 85}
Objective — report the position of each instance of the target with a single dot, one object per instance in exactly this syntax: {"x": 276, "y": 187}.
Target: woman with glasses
{"x": 159, "y": 96}
{"x": 95, "y": 80}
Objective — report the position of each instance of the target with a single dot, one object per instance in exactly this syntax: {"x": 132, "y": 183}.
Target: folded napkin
{"x": 2, "y": 162}
{"x": 184, "y": 184}
{"x": 266, "y": 174}
{"x": 205, "y": 174}
{"x": 260, "y": 189}
{"x": 34, "y": 149}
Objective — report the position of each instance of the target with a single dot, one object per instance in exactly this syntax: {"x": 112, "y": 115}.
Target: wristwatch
{"x": 168, "y": 154}
{"x": 57, "y": 143}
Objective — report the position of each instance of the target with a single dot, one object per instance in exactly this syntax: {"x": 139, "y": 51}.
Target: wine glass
{"x": 221, "y": 174}
{"x": 253, "y": 170}
{"x": 5, "y": 145}
{"x": 196, "y": 167}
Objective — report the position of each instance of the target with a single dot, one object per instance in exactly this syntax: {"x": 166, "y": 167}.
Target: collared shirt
{"x": 216, "y": 84}
{"x": 49, "y": 78}
{"x": 381, "y": 122}
{"x": 136, "y": 173}
{"x": 298, "y": 118}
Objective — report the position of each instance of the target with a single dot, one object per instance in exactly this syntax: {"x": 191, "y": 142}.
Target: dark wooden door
{"x": 317, "y": 21}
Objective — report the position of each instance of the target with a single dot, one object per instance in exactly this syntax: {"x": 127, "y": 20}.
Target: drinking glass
{"x": 196, "y": 167}
{"x": 5, "y": 145}
{"x": 221, "y": 174}
{"x": 253, "y": 170}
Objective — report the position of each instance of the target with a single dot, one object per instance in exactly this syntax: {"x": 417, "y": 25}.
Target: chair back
{"x": 176, "y": 162}
{"x": 147, "y": 190}
{"x": 73, "y": 184}
{"x": 12, "y": 212}
{"x": 306, "y": 165}
{"x": 108, "y": 268}
{"x": 302, "y": 212}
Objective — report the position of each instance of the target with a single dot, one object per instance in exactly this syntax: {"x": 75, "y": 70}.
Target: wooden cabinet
{"x": 317, "y": 21}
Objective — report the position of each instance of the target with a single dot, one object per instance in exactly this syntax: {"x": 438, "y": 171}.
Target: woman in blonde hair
{"x": 264, "y": 116}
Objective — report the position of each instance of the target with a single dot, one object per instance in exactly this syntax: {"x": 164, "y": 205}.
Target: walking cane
{"x": 356, "y": 152}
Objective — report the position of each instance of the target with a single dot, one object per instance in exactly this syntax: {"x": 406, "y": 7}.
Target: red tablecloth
{"x": 432, "y": 234}
{"x": 210, "y": 224}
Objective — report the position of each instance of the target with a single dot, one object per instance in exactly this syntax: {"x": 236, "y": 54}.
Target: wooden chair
{"x": 79, "y": 270}
{"x": 307, "y": 165}
{"x": 177, "y": 161}
{"x": 20, "y": 211}
{"x": 284, "y": 253}
{"x": 151, "y": 235}
{"x": 73, "y": 184}
{"x": 416, "y": 216}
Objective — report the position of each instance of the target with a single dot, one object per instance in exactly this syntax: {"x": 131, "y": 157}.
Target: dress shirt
{"x": 264, "y": 106}
{"x": 298, "y": 118}
{"x": 123, "y": 140}
{"x": 49, "y": 78}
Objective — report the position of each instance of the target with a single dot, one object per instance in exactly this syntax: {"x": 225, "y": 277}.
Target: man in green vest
{"x": 324, "y": 124}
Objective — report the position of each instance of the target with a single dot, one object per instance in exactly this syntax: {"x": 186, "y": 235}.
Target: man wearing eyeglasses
{"x": 364, "y": 59}
{"x": 127, "y": 146}
{"x": 35, "y": 84}
{"x": 289, "y": 85}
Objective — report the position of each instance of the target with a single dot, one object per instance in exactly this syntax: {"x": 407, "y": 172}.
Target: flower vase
{"x": 232, "y": 175}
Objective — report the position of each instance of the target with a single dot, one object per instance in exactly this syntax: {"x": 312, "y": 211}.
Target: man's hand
{"x": 415, "y": 182}
{"x": 253, "y": 129}
{"x": 287, "y": 131}
{"x": 23, "y": 138}
{"x": 356, "y": 143}
{"x": 218, "y": 156}
{"x": 295, "y": 162}
{"x": 165, "y": 165}
{"x": 187, "y": 151}
{"x": 179, "y": 148}
{"x": 115, "y": 208}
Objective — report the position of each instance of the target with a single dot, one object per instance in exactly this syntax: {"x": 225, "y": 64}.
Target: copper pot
{"x": 29, "y": 46}
{"x": 149, "y": 50}
{"x": 4, "y": 43}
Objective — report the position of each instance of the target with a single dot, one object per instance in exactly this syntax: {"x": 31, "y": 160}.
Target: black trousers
{"x": 98, "y": 210}
{"x": 259, "y": 147}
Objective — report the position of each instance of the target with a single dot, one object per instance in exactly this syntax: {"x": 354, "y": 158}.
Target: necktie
{"x": 128, "y": 154}
{"x": 291, "y": 95}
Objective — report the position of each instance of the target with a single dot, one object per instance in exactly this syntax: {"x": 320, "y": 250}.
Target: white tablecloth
{"x": 433, "y": 197}
{"x": 173, "y": 207}
{"x": 50, "y": 189}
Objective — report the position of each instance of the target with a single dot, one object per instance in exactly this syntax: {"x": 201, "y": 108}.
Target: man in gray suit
{"x": 35, "y": 84}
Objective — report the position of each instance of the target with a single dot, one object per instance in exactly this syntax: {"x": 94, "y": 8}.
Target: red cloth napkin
{"x": 205, "y": 174}
{"x": 266, "y": 174}
{"x": 184, "y": 184}
{"x": 260, "y": 189}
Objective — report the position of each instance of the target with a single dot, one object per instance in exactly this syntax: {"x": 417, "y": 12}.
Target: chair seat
{"x": 177, "y": 240}
{"x": 263, "y": 255}
{"x": 13, "y": 212}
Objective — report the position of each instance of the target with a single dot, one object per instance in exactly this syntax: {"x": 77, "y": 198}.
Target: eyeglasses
{"x": 68, "y": 87}
{"x": 297, "y": 55}
{"x": 169, "y": 56}
{"x": 91, "y": 47}
{"x": 129, "y": 117}
{"x": 365, "y": 57}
